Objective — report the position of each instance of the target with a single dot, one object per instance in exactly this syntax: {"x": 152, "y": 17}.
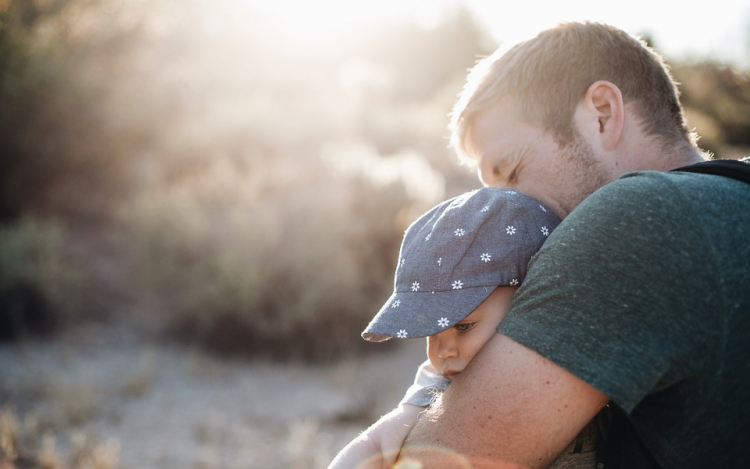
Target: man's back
{"x": 642, "y": 292}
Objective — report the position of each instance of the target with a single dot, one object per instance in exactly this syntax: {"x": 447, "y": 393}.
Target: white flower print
{"x": 511, "y": 230}
{"x": 485, "y": 208}
{"x": 457, "y": 285}
{"x": 415, "y": 286}
{"x": 396, "y": 304}
{"x": 545, "y": 231}
{"x": 486, "y": 257}
{"x": 514, "y": 282}
{"x": 543, "y": 209}
{"x": 427, "y": 238}
{"x": 403, "y": 261}
{"x": 443, "y": 322}
{"x": 459, "y": 232}
{"x": 440, "y": 261}
{"x": 402, "y": 334}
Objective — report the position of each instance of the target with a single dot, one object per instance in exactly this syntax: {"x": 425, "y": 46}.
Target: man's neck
{"x": 657, "y": 159}
{"x": 685, "y": 156}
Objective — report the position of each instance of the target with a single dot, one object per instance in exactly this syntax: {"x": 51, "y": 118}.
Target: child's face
{"x": 451, "y": 350}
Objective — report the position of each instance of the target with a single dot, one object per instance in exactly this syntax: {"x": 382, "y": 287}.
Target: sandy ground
{"x": 138, "y": 403}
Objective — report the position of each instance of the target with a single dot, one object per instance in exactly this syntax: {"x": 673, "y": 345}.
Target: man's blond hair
{"x": 547, "y": 77}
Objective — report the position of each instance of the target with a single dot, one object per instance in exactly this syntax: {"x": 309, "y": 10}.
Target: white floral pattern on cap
{"x": 456, "y": 252}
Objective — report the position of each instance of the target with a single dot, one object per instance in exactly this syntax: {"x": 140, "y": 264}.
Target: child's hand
{"x": 379, "y": 446}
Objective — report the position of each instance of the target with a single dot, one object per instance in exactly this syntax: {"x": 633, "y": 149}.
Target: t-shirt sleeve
{"x": 611, "y": 296}
{"x": 428, "y": 383}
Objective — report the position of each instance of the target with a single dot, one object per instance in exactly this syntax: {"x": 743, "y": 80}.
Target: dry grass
{"x": 28, "y": 446}
{"x": 151, "y": 405}
{"x": 9, "y": 434}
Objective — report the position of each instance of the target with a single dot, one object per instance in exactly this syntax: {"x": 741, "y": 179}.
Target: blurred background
{"x": 222, "y": 186}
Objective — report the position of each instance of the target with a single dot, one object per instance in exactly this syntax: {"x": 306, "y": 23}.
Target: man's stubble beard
{"x": 585, "y": 173}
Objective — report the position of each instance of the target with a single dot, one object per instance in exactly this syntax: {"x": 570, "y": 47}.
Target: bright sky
{"x": 718, "y": 28}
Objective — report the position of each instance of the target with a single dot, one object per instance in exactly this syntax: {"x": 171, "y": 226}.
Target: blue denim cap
{"x": 455, "y": 255}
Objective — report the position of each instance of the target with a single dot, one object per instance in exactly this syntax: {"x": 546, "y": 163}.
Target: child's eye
{"x": 464, "y": 326}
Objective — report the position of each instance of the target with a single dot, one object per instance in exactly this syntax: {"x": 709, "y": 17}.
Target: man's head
{"x": 582, "y": 85}
{"x": 455, "y": 256}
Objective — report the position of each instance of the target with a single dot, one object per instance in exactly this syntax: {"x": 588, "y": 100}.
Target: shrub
{"x": 69, "y": 126}
{"x": 39, "y": 288}
{"x": 290, "y": 262}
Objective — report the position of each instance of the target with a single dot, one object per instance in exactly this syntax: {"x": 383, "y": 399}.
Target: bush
{"x": 716, "y": 98}
{"x": 39, "y": 289}
{"x": 66, "y": 130}
{"x": 288, "y": 262}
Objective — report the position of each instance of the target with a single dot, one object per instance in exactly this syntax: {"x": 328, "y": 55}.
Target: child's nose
{"x": 447, "y": 348}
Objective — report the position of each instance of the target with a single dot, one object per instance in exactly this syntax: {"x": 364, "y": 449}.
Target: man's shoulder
{"x": 655, "y": 191}
{"x": 653, "y": 207}
{"x": 634, "y": 195}
{"x": 645, "y": 181}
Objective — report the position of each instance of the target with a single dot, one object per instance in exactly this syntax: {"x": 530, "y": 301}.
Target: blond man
{"x": 638, "y": 299}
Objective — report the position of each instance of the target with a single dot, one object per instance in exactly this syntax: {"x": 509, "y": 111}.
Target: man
{"x": 638, "y": 299}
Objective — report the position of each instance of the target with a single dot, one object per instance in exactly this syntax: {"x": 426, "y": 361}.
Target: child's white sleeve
{"x": 428, "y": 384}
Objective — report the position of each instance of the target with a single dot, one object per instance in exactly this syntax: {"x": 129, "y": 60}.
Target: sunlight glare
{"x": 718, "y": 29}
{"x": 319, "y": 19}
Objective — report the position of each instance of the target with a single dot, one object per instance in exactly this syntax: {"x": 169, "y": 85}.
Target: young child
{"x": 459, "y": 266}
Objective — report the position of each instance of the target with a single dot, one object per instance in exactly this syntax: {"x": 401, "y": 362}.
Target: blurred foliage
{"x": 269, "y": 212}
{"x": 285, "y": 267}
{"x": 63, "y": 144}
{"x": 261, "y": 181}
{"x": 716, "y": 98}
{"x": 39, "y": 287}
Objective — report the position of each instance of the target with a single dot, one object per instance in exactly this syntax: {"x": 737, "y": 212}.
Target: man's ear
{"x": 603, "y": 101}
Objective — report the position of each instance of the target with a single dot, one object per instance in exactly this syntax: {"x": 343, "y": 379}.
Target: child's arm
{"x": 379, "y": 445}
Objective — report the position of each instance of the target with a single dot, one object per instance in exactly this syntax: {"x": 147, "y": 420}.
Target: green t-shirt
{"x": 644, "y": 292}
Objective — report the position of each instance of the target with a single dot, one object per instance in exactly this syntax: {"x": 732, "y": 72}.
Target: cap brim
{"x": 420, "y": 314}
